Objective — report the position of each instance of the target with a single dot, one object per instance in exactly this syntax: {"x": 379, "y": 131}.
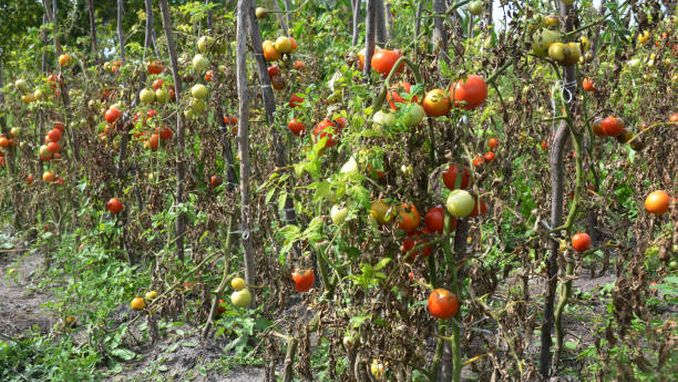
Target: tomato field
{"x": 338, "y": 190}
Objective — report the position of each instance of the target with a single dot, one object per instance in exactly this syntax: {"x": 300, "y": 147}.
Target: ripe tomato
{"x": 154, "y": 141}
{"x": 209, "y": 76}
{"x": 450, "y": 177}
{"x": 408, "y": 217}
{"x": 155, "y": 67}
{"x": 296, "y": 126}
{"x": 394, "y": 95}
{"x": 4, "y": 142}
{"x": 165, "y": 133}
{"x": 436, "y": 103}
{"x": 674, "y": 117}
{"x": 273, "y": 70}
{"x": 53, "y": 147}
{"x": 478, "y": 211}
{"x": 597, "y": 128}
{"x": 493, "y": 143}
{"x": 587, "y": 85}
{"x": 442, "y": 304}
{"x": 303, "y": 279}
{"x": 469, "y": 94}
{"x": 435, "y": 219}
{"x": 59, "y": 126}
{"x": 478, "y": 161}
{"x": 270, "y": 52}
{"x": 29, "y": 179}
{"x": 581, "y": 241}
{"x": 215, "y": 181}
{"x": 657, "y": 202}
{"x": 114, "y": 206}
{"x": 326, "y": 128}
{"x": 138, "y": 303}
{"x": 488, "y": 156}
{"x": 54, "y": 135}
{"x": 412, "y": 240}
{"x": 112, "y": 115}
{"x": 612, "y": 126}
{"x": 299, "y": 65}
{"x": 384, "y": 59}
{"x": 157, "y": 84}
{"x": 295, "y": 100}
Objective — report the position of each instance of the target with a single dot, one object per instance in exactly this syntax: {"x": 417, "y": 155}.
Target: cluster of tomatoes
{"x": 489, "y": 156}
{"x": 6, "y": 142}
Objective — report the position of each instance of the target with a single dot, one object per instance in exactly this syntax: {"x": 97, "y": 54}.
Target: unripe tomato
{"x": 436, "y": 103}
{"x": 138, "y": 303}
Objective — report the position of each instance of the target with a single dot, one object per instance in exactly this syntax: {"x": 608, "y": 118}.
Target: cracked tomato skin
{"x": 443, "y": 304}
{"x": 469, "y": 94}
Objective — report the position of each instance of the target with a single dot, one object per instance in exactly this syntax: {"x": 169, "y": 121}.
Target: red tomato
{"x": 157, "y": 84}
{"x": 581, "y": 241}
{"x": 612, "y": 126}
{"x": 112, "y": 115}
{"x": 450, "y": 177}
{"x": 295, "y": 100}
{"x": 493, "y": 143}
{"x": 165, "y": 133}
{"x": 478, "y": 161}
{"x": 476, "y": 211}
{"x": 303, "y": 279}
{"x": 412, "y": 240}
{"x": 114, "y": 206}
{"x": 215, "y": 181}
{"x": 384, "y": 59}
{"x": 59, "y": 126}
{"x": 326, "y": 128}
{"x": 54, "y": 135}
{"x": 488, "y": 156}
{"x": 154, "y": 142}
{"x": 53, "y": 147}
{"x": 273, "y": 70}
{"x": 442, "y": 304}
{"x": 435, "y": 219}
{"x": 469, "y": 94}
{"x": 587, "y": 85}
{"x": 296, "y": 126}
{"x": 394, "y": 95}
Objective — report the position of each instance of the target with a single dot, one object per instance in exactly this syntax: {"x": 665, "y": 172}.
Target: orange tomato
{"x": 436, "y": 103}
{"x": 408, "y": 217}
{"x": 443, "y": 304}
{"x": 657, "y": 202}
{"x": 581, "y": 241}
{"x": 383, "y": 60}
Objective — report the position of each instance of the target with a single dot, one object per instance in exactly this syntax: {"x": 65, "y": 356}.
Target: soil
{"x": 179, "y": 355}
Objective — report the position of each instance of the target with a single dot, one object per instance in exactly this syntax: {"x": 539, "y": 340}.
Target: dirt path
{"x": 20, "y": 301}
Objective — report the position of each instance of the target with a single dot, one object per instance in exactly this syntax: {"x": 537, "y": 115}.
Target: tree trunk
{"x": 180, "y": 170}
{"x": 244, "y": 7}
{"x": 556, "y": 163}
{"x": 380, "y": 22}
{"x": 121, "y": 34}
{"x": 439, "y": 36}
{"x": 93, "y": 31}
{"x": 269, "y": 106}
{"x": 370, "y": 30}
{"x": 356, "y": 22}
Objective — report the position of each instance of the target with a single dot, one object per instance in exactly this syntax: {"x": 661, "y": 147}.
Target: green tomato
{"x": 147, "y": 96}
{"x": 384, "y": 119}
{"x": 413, "y": 114}
{"x": 161, "y": 96}
{"x": 338, "y": 214}
{"x": 204, "y": 43}
{"x": 241, "y": 298}
{"x": 199, "y": 91}
{"x": 459, "y": 203}
{"x": 542, "y": 40}
{"x": 475, "y": 7}
{"x": 200, "y": 62}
